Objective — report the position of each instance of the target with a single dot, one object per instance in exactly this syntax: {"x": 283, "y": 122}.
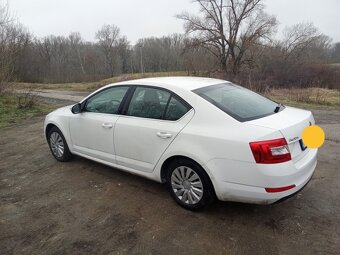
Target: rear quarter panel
{"x": 212, "y": 134}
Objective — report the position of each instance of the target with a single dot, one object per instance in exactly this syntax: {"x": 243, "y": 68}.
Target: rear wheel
{"x": 189, "y": 184}
{"x": 58, "y": 145}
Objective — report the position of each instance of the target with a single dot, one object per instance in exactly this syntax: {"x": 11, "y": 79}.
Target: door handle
{"x": 107, "y": 125}
{"x": 164, "y": 135}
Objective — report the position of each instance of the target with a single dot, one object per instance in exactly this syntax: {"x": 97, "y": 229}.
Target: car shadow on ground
{"x": 160, "y": 190}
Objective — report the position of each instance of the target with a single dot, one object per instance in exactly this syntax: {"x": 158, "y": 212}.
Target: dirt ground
{"x": 82, "y": 207}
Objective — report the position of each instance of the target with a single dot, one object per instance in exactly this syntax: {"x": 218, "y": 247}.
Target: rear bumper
{"x": 295, "y": 193}
{"x": 280, "y": 175}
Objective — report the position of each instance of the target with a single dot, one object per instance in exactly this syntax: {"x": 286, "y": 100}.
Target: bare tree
{"x": 232, "y": 35}
{"x": 4, "y": 14}
{"x": 299, "y": 58}
{"x": 76, "y": 47}
{"x": 228, "y": 28}
{"x": 108, "y": 37}
{"x": 123, "y": 52}
{"x": 13, "y": 37}
{"x": 5, "y": 67}
{"x": 45, "y": 50}
{"x": 335, "y": 52}
{"x": 298, "y": 38}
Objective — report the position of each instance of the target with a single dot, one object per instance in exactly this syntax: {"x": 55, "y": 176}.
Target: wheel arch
{"x": 52, "y": 123}
{"x": 164, "y": 169}
{"x": 165, "y": 164}
{"x": 48, "y": 128}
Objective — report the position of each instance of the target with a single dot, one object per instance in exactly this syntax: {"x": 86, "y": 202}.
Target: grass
{"x": 334, "y": 65}
{"x": 54, "y": 86}
{"x": 295, "y": 97}
{"x": 307, "y": 96}
{"x": 91, "y": 86}
{"x": 11, "y": 112}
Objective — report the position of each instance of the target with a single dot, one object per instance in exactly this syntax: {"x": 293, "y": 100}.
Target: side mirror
{"x": 76, "y": 108}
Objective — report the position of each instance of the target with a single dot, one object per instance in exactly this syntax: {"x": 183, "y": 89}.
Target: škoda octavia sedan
{"x": 204, "y": 138}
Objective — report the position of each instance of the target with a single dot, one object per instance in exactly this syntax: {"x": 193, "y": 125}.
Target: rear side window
{"x": 153, "y": 103}
{"x": 148, "y": 103}
{"x": 240, "y": 103}
{"x": 175, "y": 109}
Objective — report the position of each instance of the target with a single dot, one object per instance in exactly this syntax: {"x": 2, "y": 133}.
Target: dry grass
{"x": 314, "y": 96}
{"x": 91, "y": 86}
{"x": 334, "y": 65}
{"x": 57, "y": 86}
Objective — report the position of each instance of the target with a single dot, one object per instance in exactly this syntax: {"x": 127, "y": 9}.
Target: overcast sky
{"x": 143, "y": 18}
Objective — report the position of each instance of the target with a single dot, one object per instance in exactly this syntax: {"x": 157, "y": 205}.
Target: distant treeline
{"x": 247, "y": 54}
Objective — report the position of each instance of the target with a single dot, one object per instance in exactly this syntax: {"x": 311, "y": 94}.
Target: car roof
{"x": 186, "y": 82}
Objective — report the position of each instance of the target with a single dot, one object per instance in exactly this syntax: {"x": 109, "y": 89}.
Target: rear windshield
{"x": 240, "y": 103}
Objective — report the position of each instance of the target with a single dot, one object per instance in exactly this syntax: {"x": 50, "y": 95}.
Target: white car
{"x": 204, "y": 138}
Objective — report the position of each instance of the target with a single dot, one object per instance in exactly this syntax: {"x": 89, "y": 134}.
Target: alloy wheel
{"x": 57, "y": 144}
{"x": 187, "y": 185}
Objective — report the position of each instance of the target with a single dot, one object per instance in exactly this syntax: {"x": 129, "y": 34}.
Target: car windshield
{"x": 240, "y": 103}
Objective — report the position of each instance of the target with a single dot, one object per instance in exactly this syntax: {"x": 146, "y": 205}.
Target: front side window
{"x": 106, "y": 101}
{"x": 148, "y": 103}
{"x": 240, "y": 103}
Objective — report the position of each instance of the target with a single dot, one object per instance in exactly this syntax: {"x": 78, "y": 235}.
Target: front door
{"x": 92, "y": 131}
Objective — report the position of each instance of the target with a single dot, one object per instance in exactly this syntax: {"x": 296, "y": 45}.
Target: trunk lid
{"x": 291, "y": 123}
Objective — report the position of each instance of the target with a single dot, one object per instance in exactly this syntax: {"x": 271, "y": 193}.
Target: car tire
{"x": 186, "y": 176}
{"x": 58, "y": 145}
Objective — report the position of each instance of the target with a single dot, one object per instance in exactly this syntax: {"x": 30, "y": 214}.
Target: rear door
{"x": 153, "y": 119}
{"x": 291, "y": 123}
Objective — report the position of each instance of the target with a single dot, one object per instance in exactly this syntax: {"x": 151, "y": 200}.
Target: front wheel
{"x": 58, "y": 145}
{"x": 189, "y": 184}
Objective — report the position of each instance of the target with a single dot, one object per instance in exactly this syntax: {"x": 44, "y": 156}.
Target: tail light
{"x": 271, "y": 152}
